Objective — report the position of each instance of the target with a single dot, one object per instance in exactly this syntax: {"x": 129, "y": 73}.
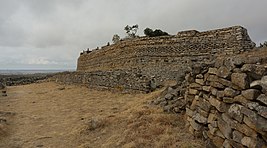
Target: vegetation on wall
{"x": 150, "y": 33}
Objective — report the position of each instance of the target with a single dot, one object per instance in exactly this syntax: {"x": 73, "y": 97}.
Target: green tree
{"x": 116, "y": 38}
{"x": 149, "y": 32}
{"x": 131, "y": 30}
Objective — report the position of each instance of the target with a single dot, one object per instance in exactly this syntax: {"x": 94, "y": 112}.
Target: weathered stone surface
{"x": 212, "y": 129}
{"x": 216, "y": 85}
{"x": 200, "y": 81}
{"x": 240, "y": 79}
{"x": 225, "y": 129}
{"x": 223, "y": 72}
{"x": 220, "y": 106}
{"x": 262, "y": 98}
{"x": 256, "y": 84}
{"x": 228, "y": 100}
{"x": 195, "y": 86}
{"x": 241, "y": 99}
{"x": 220, "y": 94}
{"x": 206, "y": 88}
{"x": 193, "y": 91}
{"x": 250, "y": 94}
{"x": 255, "y": 71}
{"x": 213, "y": 71}
{"x": 237, "y": 136}
{"x": 195, "y": 125}
{"x": 249, "y": 142}
{"x": 189, "y": 112}
{"x": 212, "y": 117}
{"x": 168, "y": 96}
{"x": 200, "y": 118}
{"x": 204, "y": 104}
{"x": 235, "y": 112}
{"x": 229, "y": 92}
{"x": 199, "y": 76}
{"x": 262, "y": 110}
{"x": 226, "y": 144}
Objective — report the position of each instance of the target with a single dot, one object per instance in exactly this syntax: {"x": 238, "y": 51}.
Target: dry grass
{"x": 78, "y": 117}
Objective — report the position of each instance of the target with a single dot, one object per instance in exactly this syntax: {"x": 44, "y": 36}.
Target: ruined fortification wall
{"x": 226, "y": 102}
{"x": 116, "y": 79}
{"x": 229, "y": 102}
{"x": 167, "y": 56}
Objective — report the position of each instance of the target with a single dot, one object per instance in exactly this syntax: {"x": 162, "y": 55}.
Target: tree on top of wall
{"x": 150, "y": 33}
{"x": 131, "y": 30}
{"x": 116, "y": 38}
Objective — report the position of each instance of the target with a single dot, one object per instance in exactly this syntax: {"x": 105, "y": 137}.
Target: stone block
{"x": 212, "y": 129}
{"x": 241, "y": 99}
{"x": 194, "y": 104}
{"x": 220, "y": 94}
{"x": 195, "y": 86}
{"x": 262, "y": 98}
{"x": 223, "y": 72}
{"x": 249, "y": 142}
{"x": 213, "y": 71}
{"x": 200, "y": 81}
{"x": 229, "y": 92}
{"x": 199, "y": 76}
{"x": 189, "y": 112}
{"x": 195, "y": 125}
{"x": 217, "y": 85}
{"x": 250, "y": 94}
{"x": 219, "y": 105}
{"x": 203, "y": 113}
{"x": 234, "y": 111}
{"x": 226, "y": 144}
{"x": 212, "y": 78}
{"x": 262, "y": 111}
{"x": 193, "y": 91}
{"x": 168, "y": 96}
{"x": 214, "y": 91}
{"x": 228, "y": 100}
{"x": 206, "y": 88}
{"x": 225, "y": 82}
{"x": 255, "y": 71}
{"x": 200, "y": 118}
{"x": 204, "y": 104}
{"x": 237, "y": 136}
{"x": 212, "y": 117}
{"x": 240, "y": 79}
{"x": 225, "y": 129}
{"x": 218, "y": 141}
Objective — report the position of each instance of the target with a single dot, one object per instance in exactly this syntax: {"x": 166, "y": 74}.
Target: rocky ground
{"x": 52, "y": 115}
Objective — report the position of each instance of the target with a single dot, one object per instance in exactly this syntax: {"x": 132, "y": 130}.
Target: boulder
{"x": 240, "y": 79}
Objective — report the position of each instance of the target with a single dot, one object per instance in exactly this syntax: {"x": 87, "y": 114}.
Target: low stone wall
{"x": 228, "y": 102}
{"x": 118, "y": 79}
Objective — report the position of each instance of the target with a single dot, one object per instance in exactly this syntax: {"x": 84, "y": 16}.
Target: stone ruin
{"x": 221, "y": 80}
{"x": 3, "y": 89}
{"x": 156, "y": 59}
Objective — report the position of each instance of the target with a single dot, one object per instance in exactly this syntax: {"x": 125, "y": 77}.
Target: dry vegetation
{"x": 53, "y": 115}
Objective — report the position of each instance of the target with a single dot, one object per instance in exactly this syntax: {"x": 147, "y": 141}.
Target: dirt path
{"x": 53, "y": 115}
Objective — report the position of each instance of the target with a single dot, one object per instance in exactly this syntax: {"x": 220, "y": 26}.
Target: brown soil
{"x": 53, "y": 115}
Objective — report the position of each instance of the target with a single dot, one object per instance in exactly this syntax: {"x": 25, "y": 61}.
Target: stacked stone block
{"x": 167, "y": 56}
{"x": 228, "y": 103}
{"x": 117, "y": 79}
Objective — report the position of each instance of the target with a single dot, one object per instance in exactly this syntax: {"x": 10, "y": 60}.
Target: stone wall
{"x": 117, "y": 79}
{"x": 167, "y": 57}
{"x": 227, "y": 102}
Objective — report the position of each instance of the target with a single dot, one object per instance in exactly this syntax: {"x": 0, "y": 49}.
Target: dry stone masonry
{"x": 166, "y": 57}
{"x": 228, "y": 102}
{"x": 157, "y": 58}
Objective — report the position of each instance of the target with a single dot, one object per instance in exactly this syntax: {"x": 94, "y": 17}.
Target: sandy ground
{"x": 57, "y": 116}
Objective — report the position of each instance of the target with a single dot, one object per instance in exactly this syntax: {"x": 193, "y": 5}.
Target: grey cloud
{"x": 51, "y": 33}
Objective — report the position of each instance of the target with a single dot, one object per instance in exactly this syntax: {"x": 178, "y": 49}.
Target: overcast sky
{"x": 49, "y": 34}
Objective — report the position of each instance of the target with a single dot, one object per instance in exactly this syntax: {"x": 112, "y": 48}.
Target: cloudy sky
{"x": 49, "y": 34}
